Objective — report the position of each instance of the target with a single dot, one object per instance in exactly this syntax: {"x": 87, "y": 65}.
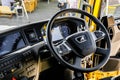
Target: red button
{"x": 13, "y": 78}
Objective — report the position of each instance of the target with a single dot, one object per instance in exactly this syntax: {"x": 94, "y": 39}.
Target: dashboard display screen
{"x": 10, "y": 43}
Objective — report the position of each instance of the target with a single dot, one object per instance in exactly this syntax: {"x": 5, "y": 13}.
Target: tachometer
{"x": 64, "y": 30}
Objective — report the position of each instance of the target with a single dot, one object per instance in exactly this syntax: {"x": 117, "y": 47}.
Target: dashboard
{"x": 21, "y": 46}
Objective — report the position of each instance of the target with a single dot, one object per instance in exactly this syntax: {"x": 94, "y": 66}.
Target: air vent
{"x": 118, "y": 26}
{"x": 31, "y": 35}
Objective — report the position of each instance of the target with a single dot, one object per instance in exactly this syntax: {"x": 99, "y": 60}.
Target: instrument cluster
{"x": 59, "y": 31}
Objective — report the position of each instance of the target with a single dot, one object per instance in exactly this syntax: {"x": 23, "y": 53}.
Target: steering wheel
{"x": 82, "y": 43}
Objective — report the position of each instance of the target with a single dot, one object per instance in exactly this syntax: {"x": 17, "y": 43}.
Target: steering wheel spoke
{"x": 102, "y": 51}
{"x": 98, "y": 35}
{"x": 63, "y": 48}
{"x": 78, "y": 62}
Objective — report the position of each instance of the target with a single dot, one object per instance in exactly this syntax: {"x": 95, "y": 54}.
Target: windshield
{"x": 114, "y": 8}
{"x": 44, "y": 10}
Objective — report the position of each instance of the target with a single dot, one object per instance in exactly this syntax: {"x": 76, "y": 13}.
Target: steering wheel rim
{"x": 59, "y": 58}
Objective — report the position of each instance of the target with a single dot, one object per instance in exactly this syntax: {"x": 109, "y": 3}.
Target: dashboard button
{"x": 13, "y": 78}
